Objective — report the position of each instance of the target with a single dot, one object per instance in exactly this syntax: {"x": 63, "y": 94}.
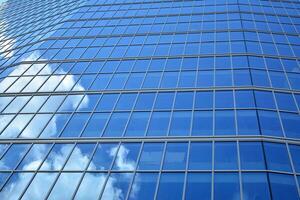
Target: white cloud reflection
{"x": 64, "y": 188}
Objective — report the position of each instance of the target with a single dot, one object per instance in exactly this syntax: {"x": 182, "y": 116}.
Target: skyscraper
{"x": 150, "y": 99}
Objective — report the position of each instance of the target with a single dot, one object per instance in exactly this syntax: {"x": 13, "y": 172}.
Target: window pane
{"x": 295, "y": 152}
{"x": 283, "y": 186}
{"x": 198, "y": 186}
{"x": 225, "y": 155}
{"x": 103, "y": 156}
{"x": 144, "y": 186}
{"x": 202, "y": 123}
{"x": 255, "y": 186}
{"x": 170, "y": 186}
{"x": 151, "y": 156}
{"x": 226, "y": 186}
{"x": 200, "y": 157}
{"x": 251, "y": 155}
{"x": 176, "y": 156}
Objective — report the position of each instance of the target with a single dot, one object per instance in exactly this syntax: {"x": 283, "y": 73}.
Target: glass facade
{"x": 150, "y": 99}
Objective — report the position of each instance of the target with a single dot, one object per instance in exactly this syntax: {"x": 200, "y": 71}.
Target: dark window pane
{"x": 283, "y": 186}
{"x": 255, "y": 186}
{"x": 175, "y": 156}
{"x": 170, "y": 186}
{"x": 226, "y": 155}
{"x": 198, "y": 186}
{"x": 226, "y": 186}
{"x": 200, "y": 157}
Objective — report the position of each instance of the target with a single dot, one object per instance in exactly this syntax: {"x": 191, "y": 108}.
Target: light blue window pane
{"x": 95, "y": 125}
{"x": 200, "y": 157}
{"x": 224, "y": 99}
{"x": 175, "y": 156}
{"x": 205, "y": 79}
{"x": 16, "y": 185}
{"x": 252, "y": 156}
{"x": 279, "y": 80}
{"x": 80, "y": 157}
{"x": 117, "y": 186}
{"x": 145, "y": 101}
{"x": 16, "y": 104}
{"x": 4, "y": 101}
{"x": 35, "y": 191}
{"x": 198, "y": 186}
{"x": 277, "y": 157}
{"x": 146, "y": 184}
{"x": 61, "y": 151}
{"x": 116, "y": 125}
{"x": 180, "y": 123}
{"x": 71, "y": 102}
{"x": 202, "y": 123}
{"x": 36, "y": 125}
{"x": 75, "y": 125}
{"x": 283, "y": 186}
{"x": 63, "y": 180}
{"x": 110, "y": 66}
{"x": 127, "y": 155}
{"x": 187, "y": 79}
{"x": 13, "y": 156}
{"x": 295, "y": 152}
{"x": 118, "y": 81}
{"x": 184, "y": 100}
{"x": 135, "y": 81}
{"x": 170, "y": 186}
{"x": 224, "y": 123}
{"x": 226, "y": 155}
{"x": 173, "y": 64}
{"x": 285, "y": 102}
{"x": 226, "y": 186}
{"x": 103, "y": 156}
{"x": 269, "y": 123}
{"x": 164, "y": 100}
{"x": 107, "y": 102}
{"x": 247, "y": 122}
{"x": 15, "y": 127}
{"x": 204, "y": 100}
{"x": 290, "y": 122}
{"x": 55, "y": 125}
{"x": 90, "y": 186}
{"x": 126, "y": 101}
{"x": 264, "y": 99}
{"x": 33, "y": 105}
{"x": 34, "y": 157}
{"x": 242, "y": 78}
{"x": 137, "y": 124}
{"x": 101, "y": 82}
{"x": 89, "y": 102}
{"x": 151, "y": 156}
{"x": 255, "y": 186}
{"x": 169, "y": 80}
{"x": 152, "y": 80}
{"x": 159, "y": 124}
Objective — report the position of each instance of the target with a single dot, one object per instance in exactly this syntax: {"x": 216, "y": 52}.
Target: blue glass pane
{"x": 255, "y": 186}
{"x": 116, "y": 125}
{"x": 225, "y": 155}
{"x": 103, "y": 156}
{"x": 95, "y": 125}
{"x": 198, "y": 186}
{"x": 145, "y": 101}
{"x": 269, "y": 123}
{"x": 290, "y": 123}
{"x": 203, "y": 100}
{"x": 126, "y": 158}
{"x": 144, "y": 186}
{"x": 226, "y": 186}
{"x": 283, "y": 186}
{"x": 151, "y": 156}
{"x": 277, "y": 157}
{"x": 247, "y": 122}
{"x": 181, "y": 123}
{"x": 224, "y": 123}
{"x": 159, "y": 124}
{"x": 295, "y": 152}
{"x": 164, "y": 101}
{"x": 264, "y": 99}
{"x": 200, "y": 157}
{"x": 175, "y": 156}
{"x": 137, "y": 124}
{"x": 202, "y": 123}
{"x": 224, "y": 99}
{"x": 170, "y": 186}
{"x": 251, "y": 155}
{"x": 184, "y": 100}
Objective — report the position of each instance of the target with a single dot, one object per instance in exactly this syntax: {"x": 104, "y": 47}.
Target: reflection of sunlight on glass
{"x": 50, "y": 83}
{"x": 91, "y": 185}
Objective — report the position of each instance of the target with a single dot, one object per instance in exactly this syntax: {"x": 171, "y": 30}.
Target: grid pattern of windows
{"x": 150, "y": 99}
